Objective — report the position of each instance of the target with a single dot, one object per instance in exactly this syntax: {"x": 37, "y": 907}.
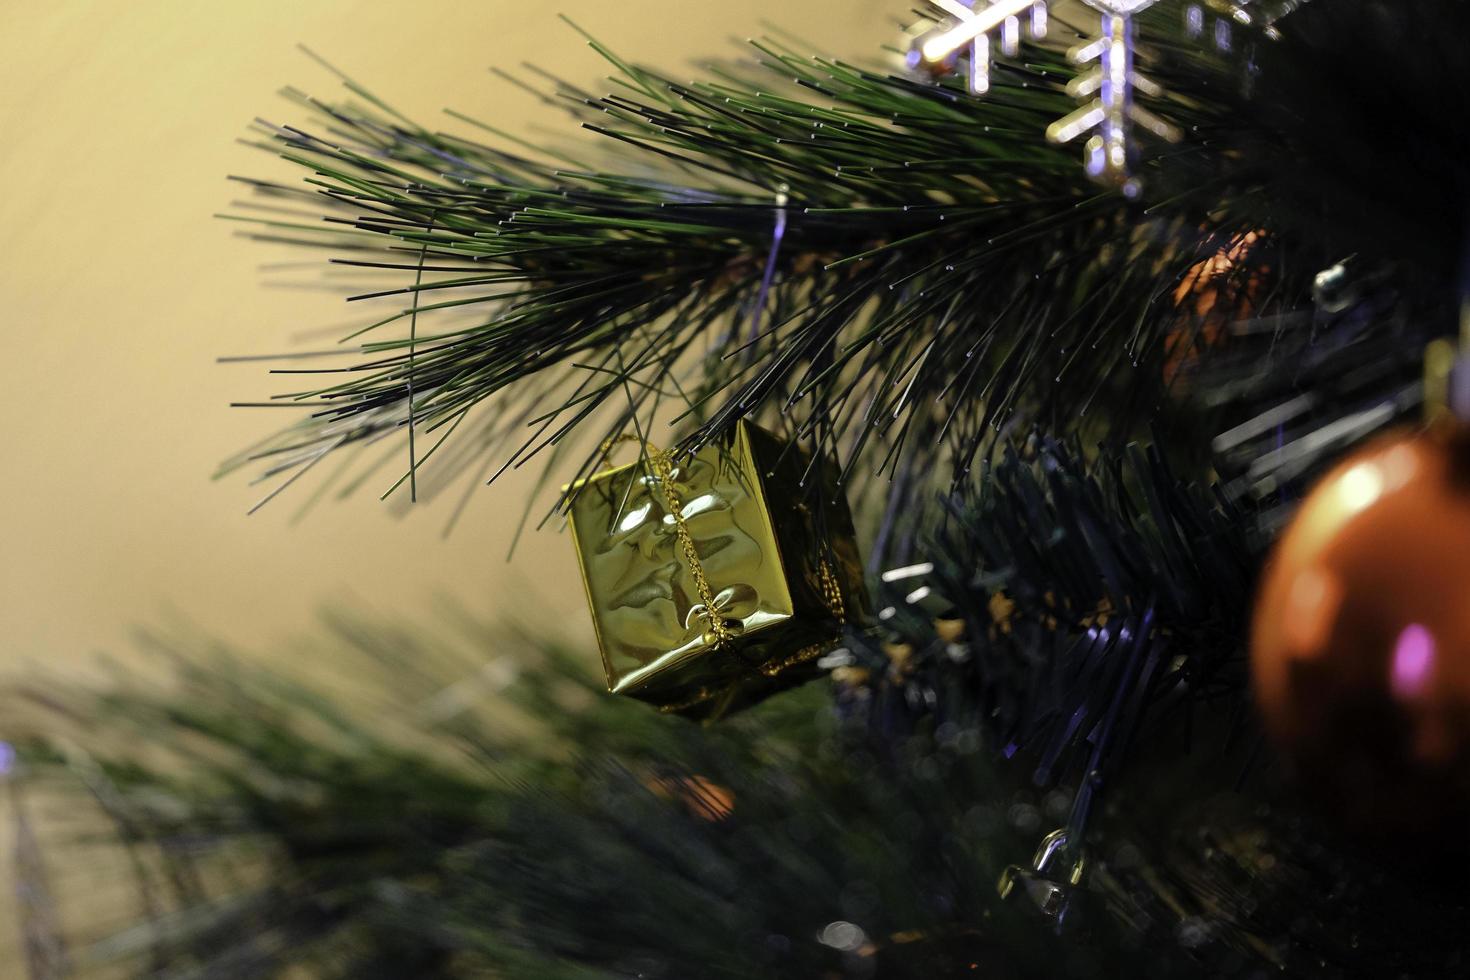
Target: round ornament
{"x": 1360, "y": 647}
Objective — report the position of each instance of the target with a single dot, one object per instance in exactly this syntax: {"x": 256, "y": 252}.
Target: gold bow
{"x": 722, "y": 609}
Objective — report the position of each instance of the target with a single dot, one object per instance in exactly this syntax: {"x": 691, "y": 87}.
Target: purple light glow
{"x": 1413, "y": 660}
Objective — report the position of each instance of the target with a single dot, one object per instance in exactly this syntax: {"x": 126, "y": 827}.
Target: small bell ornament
{"x": 1048, "y": 883}
{"x": 1335, "y": 288}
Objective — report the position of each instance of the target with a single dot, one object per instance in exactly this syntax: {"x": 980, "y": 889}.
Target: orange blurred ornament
{"x": 702, "y": 798}
{"x": 1360, "y": 648}
{"x": 1211, "y": 295}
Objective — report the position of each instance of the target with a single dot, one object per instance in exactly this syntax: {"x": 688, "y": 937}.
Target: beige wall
{"x": 118, "y": 291}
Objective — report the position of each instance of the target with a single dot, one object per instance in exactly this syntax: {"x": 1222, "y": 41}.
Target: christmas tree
{"x": 1077, "y": 409}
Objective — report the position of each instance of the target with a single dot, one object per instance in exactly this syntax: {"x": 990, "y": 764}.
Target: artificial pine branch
{"x": 941, "y": 279}
{"x": 940, "y": 274}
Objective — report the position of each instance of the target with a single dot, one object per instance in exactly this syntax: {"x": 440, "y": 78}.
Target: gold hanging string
{"x": 663, "y": 467}
{"x": 663, "y": 470}
{"x": 832, "y": 594}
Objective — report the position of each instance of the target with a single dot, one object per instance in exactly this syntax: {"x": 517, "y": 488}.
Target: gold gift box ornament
{"x": 712, "y": 582}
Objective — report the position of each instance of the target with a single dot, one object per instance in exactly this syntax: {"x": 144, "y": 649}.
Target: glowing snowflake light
{"x": 1112, "y": 112}
{"x": 973, "y": 23}
{"x": 1260, "y": 15}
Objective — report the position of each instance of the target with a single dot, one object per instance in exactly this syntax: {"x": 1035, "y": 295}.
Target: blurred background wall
{"x": 118, "y": 291}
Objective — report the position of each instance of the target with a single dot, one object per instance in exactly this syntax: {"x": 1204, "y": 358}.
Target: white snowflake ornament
{"x": 1112, "y": 112}
{"x": 973, "y": 23}
{"x": 1260, "y": 15}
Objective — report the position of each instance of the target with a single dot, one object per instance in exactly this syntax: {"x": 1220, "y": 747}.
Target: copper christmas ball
{"x": 1360, "y": 648}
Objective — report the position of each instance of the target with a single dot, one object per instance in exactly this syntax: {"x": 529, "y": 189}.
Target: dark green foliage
{"x": 420, "y": 830}
{"x": 583, "y": 847}
{"x": 1093, "y": 597}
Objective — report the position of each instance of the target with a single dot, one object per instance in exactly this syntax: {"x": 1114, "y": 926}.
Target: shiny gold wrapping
{"x": 768, "y": 565}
